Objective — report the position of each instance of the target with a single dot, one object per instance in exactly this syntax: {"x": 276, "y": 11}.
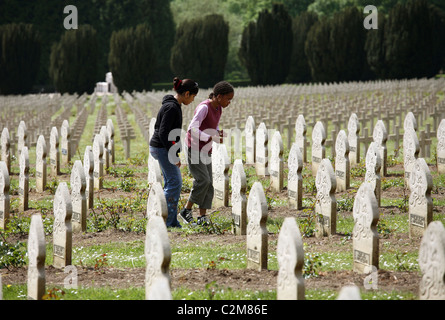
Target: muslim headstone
{"x": 62, "y": 230}
{"x": 354, "y": 139}
{"x": 350, "y": 292}
{"x": 36, "y": 259}
{"x": 295, "y": 179}
{"x": 365, "y": 236}
{"x": 106, "y": 141}
{"x": 65, "y": 133}
{"x": 342, "y": 173}
{"x": 380, "y": 136}
{"x": 326, "y": 204}
{"x": 156, "y": 203}
{"x": 256, "y": 228}
{"x": 239, "y": 200}
{"x": 154, "y": 170}
{"x": 250, "y": 131}
{"x": 157, "y": 253}
{"x": 22, "y": 136}
{"x": 372, "y": 175}
{"x": 261, "y": 150}
{"x": 290, "y": 257}
{"x": 6, "y": 148}
{"x": 420, "y": 201}
{"x": 4, "y": 195}
{"x": 41, "y": 173}
{"x": 98, "y": 172}
{"x": 432, "y": 262}
{"x": 78, "y": 197}
{"x": 88, "y": 167}
{"x": 276, "y": 165}
{"x": 440, "y": 148}
{"x": 24, "y": 179}
{"x": 318, "y": 148}
{"x": 410, "y": 122}
{"x": 300, "y": 136}
{"x": 54, "y": 154}
{"x": 110, "y": 131}
{"x": 220, "y": 170}
{"x": 411, "y": 149}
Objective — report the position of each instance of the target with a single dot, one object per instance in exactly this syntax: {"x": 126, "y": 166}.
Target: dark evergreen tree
{"x": 335, "y": 47}
{"x": 375, "y": 49}
{"x": 266, "y": 46}
{"x": 73, "y": 61}
{"x": 299, "y": 67}
{"x": 132, "y": 58}
{"x": 20, "y": 49}
{"x": 200, "y": 50}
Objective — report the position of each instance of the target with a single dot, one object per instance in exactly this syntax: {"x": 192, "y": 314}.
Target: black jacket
{"x": 169, "y": 118}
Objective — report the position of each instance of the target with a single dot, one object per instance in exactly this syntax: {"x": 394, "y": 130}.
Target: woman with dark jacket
{"x": 165, "y": 143}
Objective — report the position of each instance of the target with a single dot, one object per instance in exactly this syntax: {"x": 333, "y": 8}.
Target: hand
{"x": 222, "y": 133}
{"x": 178, "y": 164}
{"x": 217, "y": 139}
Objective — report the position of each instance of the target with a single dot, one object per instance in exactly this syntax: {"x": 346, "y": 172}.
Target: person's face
{"x": 188, "y": 98}
{"x": 225, "y": 99}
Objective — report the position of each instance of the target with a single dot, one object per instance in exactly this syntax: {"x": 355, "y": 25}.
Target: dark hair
{"x": 222, "y": 87}
{"x": 182, "y": 86}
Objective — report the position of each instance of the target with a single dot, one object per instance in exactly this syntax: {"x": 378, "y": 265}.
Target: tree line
{"x": 274, "y": 48}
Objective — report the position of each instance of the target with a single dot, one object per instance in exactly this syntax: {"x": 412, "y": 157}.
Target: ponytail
{"x": 221, "y": 88}
{"x": 182, "y": 86}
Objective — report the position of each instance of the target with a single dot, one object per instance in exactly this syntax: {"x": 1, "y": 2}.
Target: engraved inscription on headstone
{"x": 250, "y": 131}
{"x": 276, "y": 165}
{"x": 24, "y": 179}
{"x": 318, "y": 148}
{"x": 262, "y": 153}
{"x": 295, "y": 179}
{"x": 78, "y": 197}
{"x": 342, "y": 173}
{"x": 239, "y": 200}
{"x": 326, "y": 204}
{"x": 41, "y": 173}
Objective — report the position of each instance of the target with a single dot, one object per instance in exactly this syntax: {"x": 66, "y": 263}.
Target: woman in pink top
{"x": 202, "y": 131}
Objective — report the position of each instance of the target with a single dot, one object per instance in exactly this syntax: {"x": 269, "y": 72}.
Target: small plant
{"x": 53, "y": 294}
{"x": 359, "y": 170}
{"x": 52, "y": 185}
{"x": 312, "y": 264}
{"x": 101, "y": 263}
{"x": 11, "y": 255}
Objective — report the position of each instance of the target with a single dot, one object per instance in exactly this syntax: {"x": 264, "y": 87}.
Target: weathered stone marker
{"x": 36, "y": 258}
{"x": 41, "y": 173}
{"x": 65, "y": 133}
{"x": 62, "y": 230}
{"x": 372, "y": 175}
{"x": 256, "y": 228}
{"x": 110, "y": 131}
{"x": 365, "y": 236}
{"x": 6, "y": 148}
{"x": 156, "y": 203}
{"x": 342, "y": 172}
{"x": 239, "y": 200}
{"x": 157, "y": 254}
{"x": 300, "y": 136}
{"x": 220, "y": 170}
{"x": 432, "y": 262}
{"x": 78, "y": 197}
{"x": 261, "y": 150}
{"x": 354, "y": 139}
{"x": 276, "y": 163}
{"x": 380, "y": 136}
{"x": 440, "y": 148}
{"x": 295, "y": 179}
{"x": 318, "y": 148}
{"x": 326, "y": 204}
{"x": 250, "y": 131}
{"x": 411, "y": 149}
{"x": 290, "y": 256}
{"x": 4, "y": 195}
{"x": 24, "y": 179}
{"x": 420, "y": 201}
{"x": 88, "y": 167}
{"x": 54, "y": 154}
{"x": 98, "y": 173}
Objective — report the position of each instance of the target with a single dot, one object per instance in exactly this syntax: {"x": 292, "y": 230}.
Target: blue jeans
{"x": 172, "y": 184}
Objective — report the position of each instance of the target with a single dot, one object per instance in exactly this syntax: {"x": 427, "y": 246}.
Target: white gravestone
{"x": 410, "y": 122}
{"x": 290, "y": 257}
{"x": 261, "y": 151}
{"x": 411, "y": 149}
{"x": 4, "y": 195}
{"x": 24, "y": 179}
{"x": 54, "y": 154}
{"x": 295, "y": 179}
{"x": 220, "y": 170}
{"x": 300, "y": 136}
{"x": 62, "y": 230}
{"x": 239, "y": 200}
{"x": 380, "y": 136}
{"x": 41, "y": 172}
{"x": 250, "y": 131}
{"x": 349, "y": 293}
{"x": 22, "y": 136}
{"x": 156, "y": 203}
{"x": 432, "y": 262}
{"x": 154, "y": 171}
{"x": 6, "y": 148}
{"x": 106, "y": 142}
{"x": 342, "y": 172}
{"x": 98, "y": 172}
{"x": 160, "y": 290}
{"x": 36, "y": 259}
{"x": 420, "y": 201}
{"x": 318, "y": 148}
{"x": 78, "y": 197}
{"x": 354, "y": 139}
{"x": 365, "y": 236}
{"x": 440, "y": 148}
{"x": 256, "y": 228}
{"x": 65, "y": 133}
{"x": 157, "y": 253}
{"x": 88, "y": 167}
{"x": 372, "y": 175}
{"x": 276, "y": 165}
{"x": 110, "y": 131}
{"x": 326, "y": 204}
